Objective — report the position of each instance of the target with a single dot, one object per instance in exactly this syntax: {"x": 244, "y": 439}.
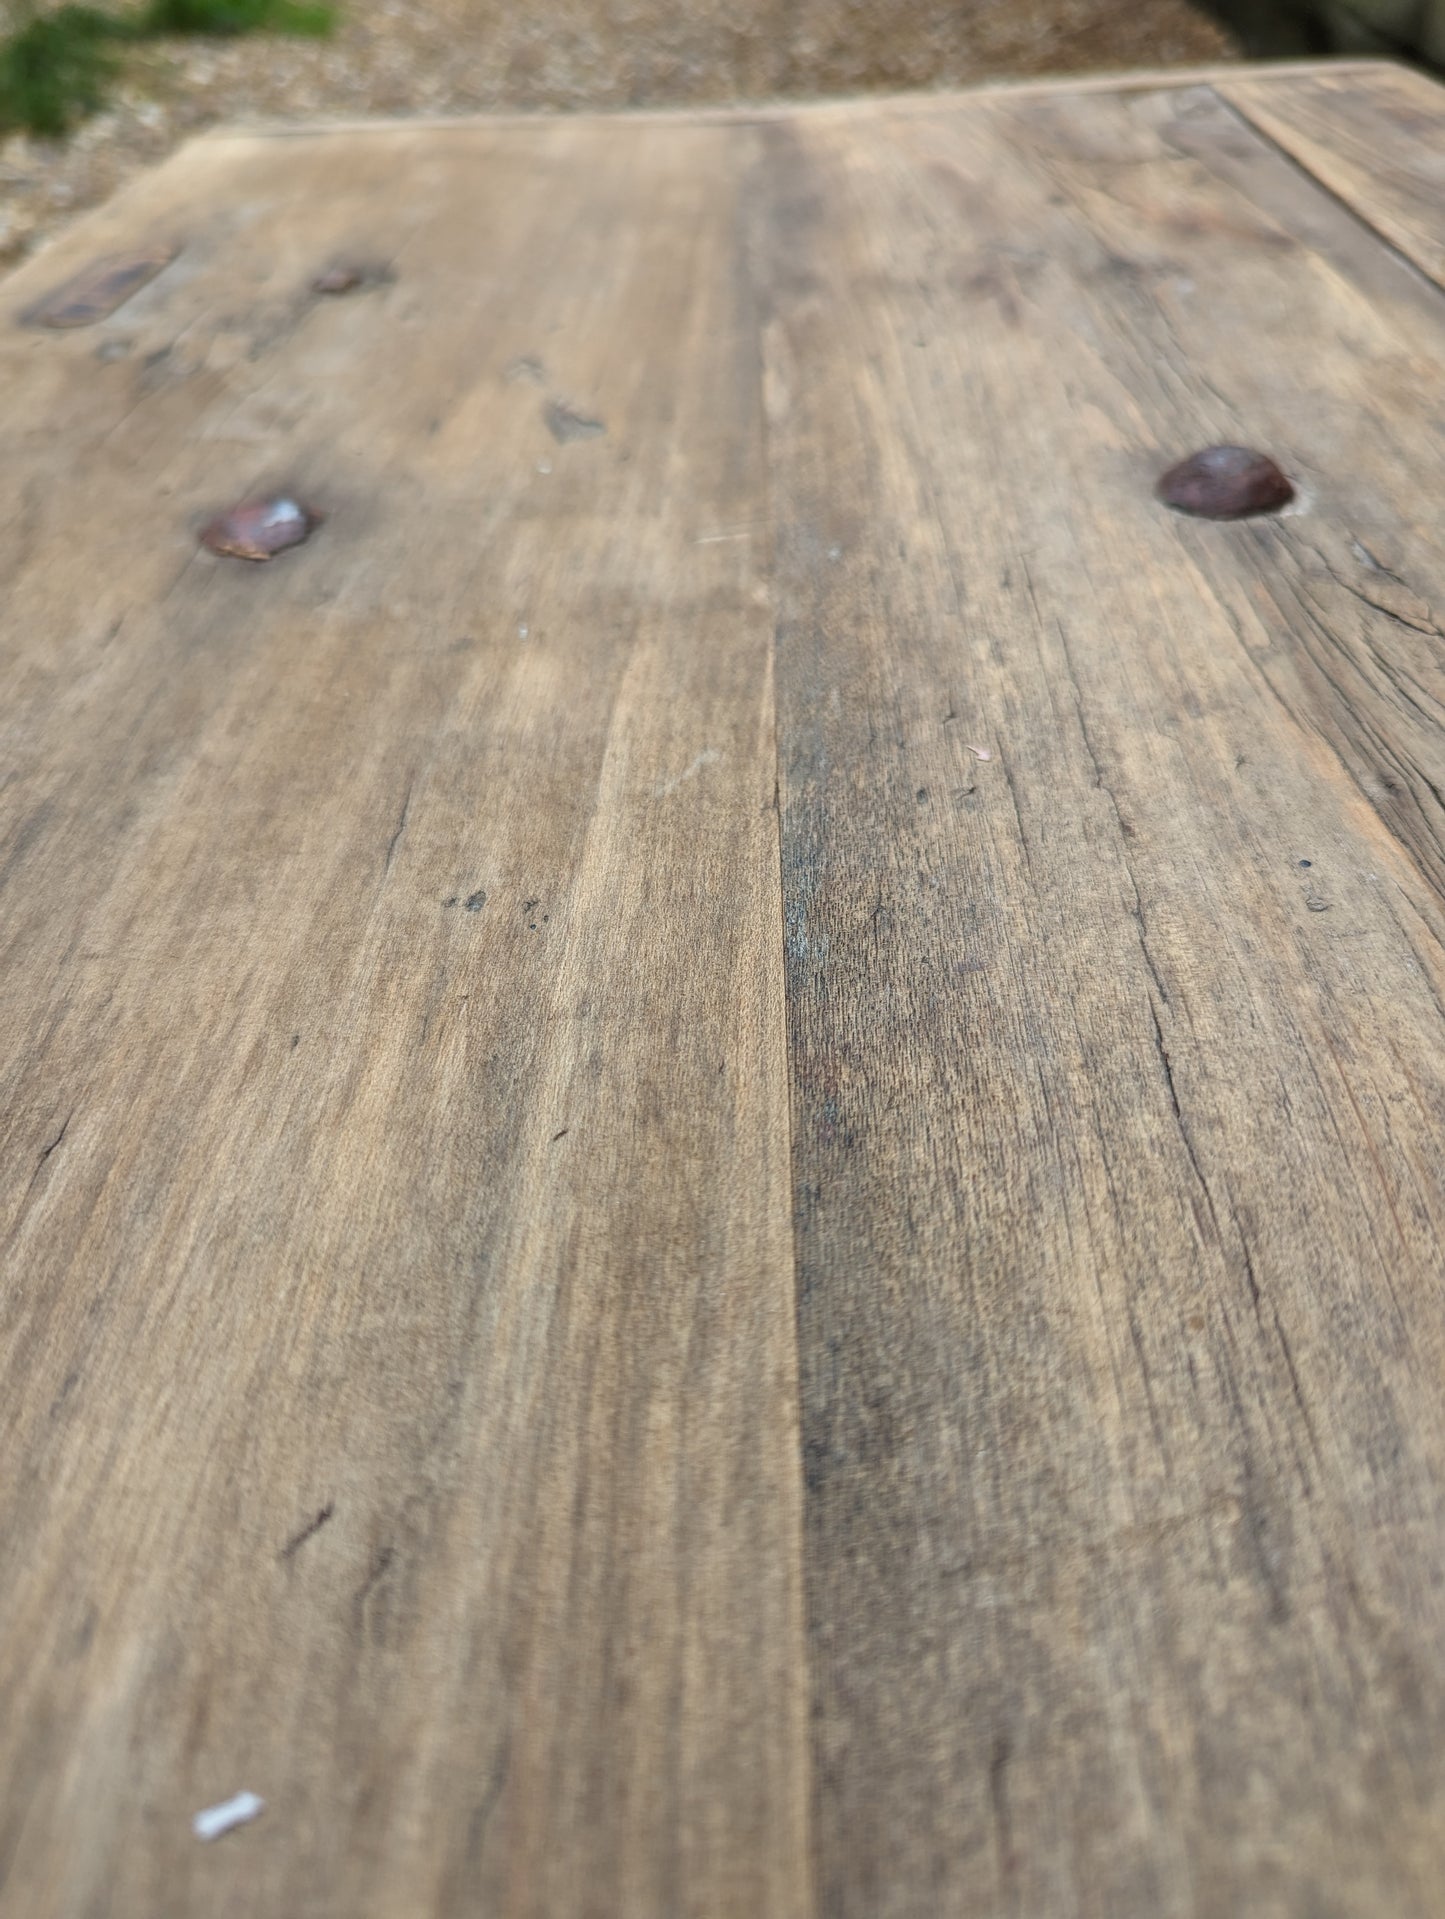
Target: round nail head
{"x": 260, "y": 529}
{"x": 1225, "y": 483}
{"x": 337, "y": 280}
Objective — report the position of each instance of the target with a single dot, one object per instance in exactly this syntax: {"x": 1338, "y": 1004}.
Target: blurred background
{"x": 87, "y": 96}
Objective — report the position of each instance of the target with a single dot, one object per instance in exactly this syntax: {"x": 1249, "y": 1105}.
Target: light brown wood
{"x": 1111, "y": 855}
{"x": 325, "y": 1195}
{"x": 434, "y": 1404}
{"x": 1373, "y": 137}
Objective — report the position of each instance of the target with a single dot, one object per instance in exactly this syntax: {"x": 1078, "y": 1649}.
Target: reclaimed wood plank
{"x": 397, "y": 1304}
{"x": 1112, "y": 872}
{"x": 1372, "y": 136}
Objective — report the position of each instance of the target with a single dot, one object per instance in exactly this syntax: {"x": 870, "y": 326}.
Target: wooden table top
{"x": 720, "y": 1133}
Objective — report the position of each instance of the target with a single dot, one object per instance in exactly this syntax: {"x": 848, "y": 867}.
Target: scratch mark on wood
{"x": 375, "y": 1574}
{"x": 395, "y": 839}
{"x": 56, "y": 1141}
{"x": 308, "y": 1531}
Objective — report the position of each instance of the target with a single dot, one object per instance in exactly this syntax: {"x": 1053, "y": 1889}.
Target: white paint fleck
{"x": 216, "y": 1820}
{"x": 521, "y": 632}
{"x": 544, "y": 466}
{"x": 737, "y": 530}
{"x": 981, "y": 752}
{"x": 705, "y": 758}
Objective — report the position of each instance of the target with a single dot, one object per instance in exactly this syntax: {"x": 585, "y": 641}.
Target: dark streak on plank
{"x": 308, "y": 1531}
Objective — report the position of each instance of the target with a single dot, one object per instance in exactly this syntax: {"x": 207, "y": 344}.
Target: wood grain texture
{"x": 1372, "y": 137}
{"x": 398, "y": 1315}
{"x": 1111, "y": 864}
{"x": 719, "y": 1171}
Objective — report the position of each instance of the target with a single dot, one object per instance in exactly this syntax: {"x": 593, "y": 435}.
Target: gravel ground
{"x": 465, "y": 56}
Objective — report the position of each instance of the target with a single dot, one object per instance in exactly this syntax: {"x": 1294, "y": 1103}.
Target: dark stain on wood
{"x": 100, "y": 289}
{"x": 565, "y": 424}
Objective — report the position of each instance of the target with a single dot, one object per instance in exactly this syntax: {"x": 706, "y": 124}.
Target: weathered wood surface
{"x": 1115, "y": 1123}
{"x": 334, "y": 1187}
{"x": 430, "y": 1404}
{"x": 1372, "y": 135}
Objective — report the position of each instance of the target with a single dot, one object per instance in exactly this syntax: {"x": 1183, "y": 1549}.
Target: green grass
{"x": 237, "y": 16}
{"x": 56, "y": 67}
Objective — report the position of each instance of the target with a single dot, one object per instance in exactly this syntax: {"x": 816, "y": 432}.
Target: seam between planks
{"x": 756, "y": 173}
{"x": 813, "y": 1906}
{"x": 760, "y": 303}
{"x": 1239, "y": 111}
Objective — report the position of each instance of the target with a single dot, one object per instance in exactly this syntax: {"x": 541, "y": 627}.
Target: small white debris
{"x": 981, "y": 752}
{"x": 216, "y": 1820}
{"x": 705, "y": 758}
{"x": 544, "y": 466}
{"x": 521, "y": 632}
{"x": 835, "y": 552}
{"x": 728, "y": 533}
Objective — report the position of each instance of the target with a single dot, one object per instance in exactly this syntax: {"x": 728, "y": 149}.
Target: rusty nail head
{"x": 337, "y": 280}
{"x": 260, "y": 529}
{"x": 345, "y": 276}
{"x": 1225, "y": 483}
